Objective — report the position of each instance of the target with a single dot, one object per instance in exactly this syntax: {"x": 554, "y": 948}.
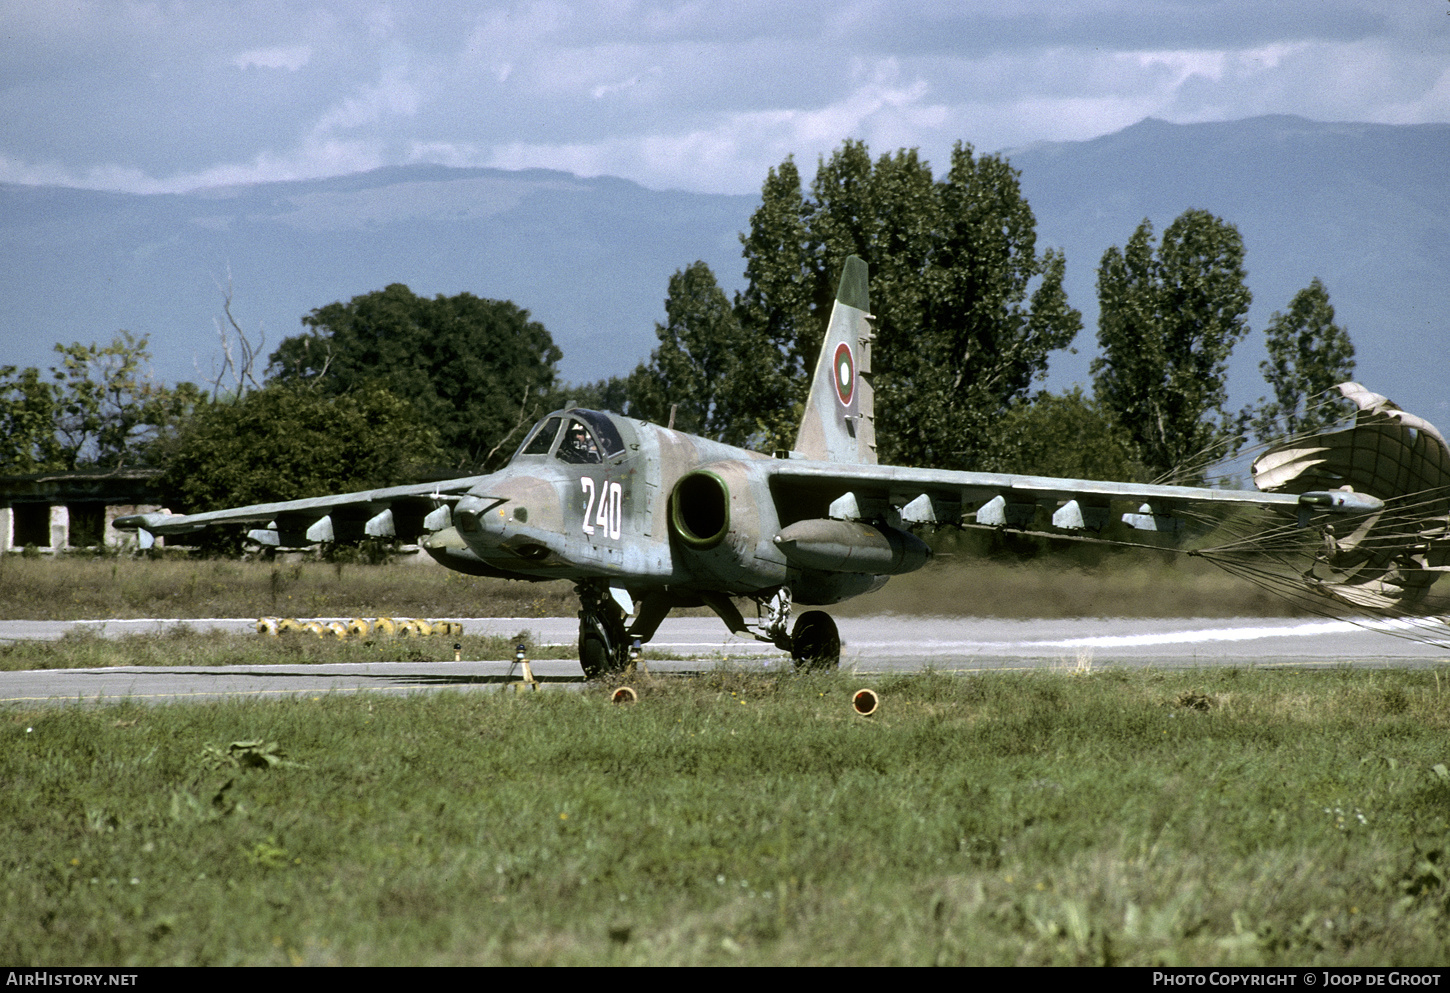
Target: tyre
{"x": 815, "y": 642}
{"x": 594, "y": 657}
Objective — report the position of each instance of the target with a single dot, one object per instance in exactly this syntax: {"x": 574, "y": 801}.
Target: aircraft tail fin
{"x": 840, "y": 418}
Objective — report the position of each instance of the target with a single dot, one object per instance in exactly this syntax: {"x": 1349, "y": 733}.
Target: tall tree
{"x": 1067, "y": 435}
{"x": 1167, "y": 324}
{"x": 287, "y": 442}
{"x": 112, "y": 409}
{"x": 966, "y": 309}
{"x": 1308, "y": 354}
{"x": 29, "y": 408}
{"x": 465, "y": 364}
{"x": 98, "y": 407}
{"x": 708, "y": 368}
{"x": 992, "y": 310}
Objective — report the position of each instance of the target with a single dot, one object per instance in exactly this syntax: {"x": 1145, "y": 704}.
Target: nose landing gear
{"x": 604, "y": 645}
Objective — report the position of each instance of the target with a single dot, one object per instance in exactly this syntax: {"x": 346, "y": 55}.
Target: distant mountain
{"x": 1363, "y": 207}
{"x": 590, "y": 258}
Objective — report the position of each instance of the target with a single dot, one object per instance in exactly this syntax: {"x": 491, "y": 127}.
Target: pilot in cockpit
{"x": 579, "y": 445}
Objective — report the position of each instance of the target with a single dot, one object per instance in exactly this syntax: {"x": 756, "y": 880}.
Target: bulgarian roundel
{"x": 845, "y": 370}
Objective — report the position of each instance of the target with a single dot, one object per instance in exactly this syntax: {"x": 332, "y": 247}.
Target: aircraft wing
{"x": 394, "y": 511}
{"x": 941, "y": 496}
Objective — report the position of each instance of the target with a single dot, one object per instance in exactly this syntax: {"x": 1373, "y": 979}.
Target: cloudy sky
{"x": 705, "y": 96}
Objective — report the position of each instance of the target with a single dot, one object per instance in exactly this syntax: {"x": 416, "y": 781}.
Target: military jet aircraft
{"x": 645, "y": 519}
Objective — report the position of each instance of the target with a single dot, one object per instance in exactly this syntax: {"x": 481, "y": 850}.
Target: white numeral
{"x": 610, "y": 515}
{"x": 589, "y": 505}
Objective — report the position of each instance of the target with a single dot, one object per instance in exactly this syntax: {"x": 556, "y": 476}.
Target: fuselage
{"x": 589, "y": 494}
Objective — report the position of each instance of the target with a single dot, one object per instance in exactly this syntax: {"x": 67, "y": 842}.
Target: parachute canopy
{"x": 1385, "y": 561}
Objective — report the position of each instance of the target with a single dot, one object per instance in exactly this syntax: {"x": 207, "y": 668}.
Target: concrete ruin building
{"x": 53, "y": 511}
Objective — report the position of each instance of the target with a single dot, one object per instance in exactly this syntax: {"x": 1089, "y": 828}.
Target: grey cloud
{"x": 668, "y": 93}
{"x": 1113, "y": 25}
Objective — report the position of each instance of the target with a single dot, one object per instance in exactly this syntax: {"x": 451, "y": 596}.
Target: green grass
{"x": 1110, "y": 584}
{"x": 1126, "y": 584}
{"x": 1227, "y": 816}
{"x": 183, "y": 646}
{"x": 80, "y": 587}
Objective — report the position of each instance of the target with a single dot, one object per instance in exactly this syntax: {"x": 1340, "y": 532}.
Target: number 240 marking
{"x": 610, "y": 513}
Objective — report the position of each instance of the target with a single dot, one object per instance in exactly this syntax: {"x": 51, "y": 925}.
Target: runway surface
{"x": 871, "y": 645}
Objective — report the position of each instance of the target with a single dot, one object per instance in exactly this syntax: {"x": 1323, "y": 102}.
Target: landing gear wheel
{"x": 603, "y": 645}
{"x": 815, "y": 643}
{"x": 595, "y": 657}
{"x": 601, "y": 651}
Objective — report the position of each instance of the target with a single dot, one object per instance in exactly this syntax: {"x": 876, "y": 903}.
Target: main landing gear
{"x": 815, "y": 643}
{"x": 606, "y": 644}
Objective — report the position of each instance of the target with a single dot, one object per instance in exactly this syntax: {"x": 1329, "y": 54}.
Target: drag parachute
{"x": 1382, "y": 562}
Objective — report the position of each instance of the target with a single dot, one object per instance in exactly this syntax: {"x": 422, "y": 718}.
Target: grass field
{"x": 1234, "y": 816}
{"x": 1239, "y": 816}
{"x": 79, "y": 587}
{"x": 182, "y": 646}
{"x": 960, "y": 584}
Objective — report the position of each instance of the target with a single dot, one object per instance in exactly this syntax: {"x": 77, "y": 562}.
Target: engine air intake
{"x": 700, "y": 509}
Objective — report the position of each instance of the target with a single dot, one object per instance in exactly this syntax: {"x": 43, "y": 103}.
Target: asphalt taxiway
{"x": 870, "y": 645}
